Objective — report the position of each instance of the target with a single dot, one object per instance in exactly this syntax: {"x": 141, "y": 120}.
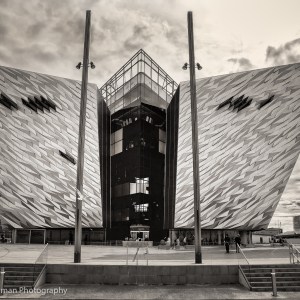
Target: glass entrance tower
{"x": 137, "y": 97}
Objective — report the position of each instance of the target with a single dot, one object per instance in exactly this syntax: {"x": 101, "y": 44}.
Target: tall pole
{"x": 81, "y": 139}
{"x": 197, "y": 222}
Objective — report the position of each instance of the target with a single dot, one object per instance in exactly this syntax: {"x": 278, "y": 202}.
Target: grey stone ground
{"x": 153, "y": 292}
{"x": 117, "y": 255}
{"x": 212, "y": 255}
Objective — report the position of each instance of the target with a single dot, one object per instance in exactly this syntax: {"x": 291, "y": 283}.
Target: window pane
{"x": 119, "y": 135}
{"x": 112, "y": 138}
{"x": 146, "y": 185}
{"x": 117, "y": 191}
{"x": 141, "y": 207}
{"x": 126, "y": 190}
{"x": 118, "y": 147}
{"x": 161, "y": 147}
{"x": 139, "y": 187}
{"x": 112, "y": 150}
{"x": 162, "y": 135}
{"x": 132, "y": 188}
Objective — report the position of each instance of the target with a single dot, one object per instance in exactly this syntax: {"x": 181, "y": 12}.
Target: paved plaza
{"x": 233, "y": 291}
{"x": 113, "y": 255}
{"x": 117, "y": 255}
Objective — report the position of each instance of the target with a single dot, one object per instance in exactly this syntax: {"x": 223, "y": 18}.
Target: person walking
{"x": 227, "y": 242}
{"x": 237, "y": 243}
{"x": 70, "y": 238}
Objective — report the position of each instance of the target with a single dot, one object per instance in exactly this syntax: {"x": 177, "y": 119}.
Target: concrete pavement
{"x": 148, "y": 292}
{"x": 105, "y": 255}
{"x": 112, "y": 255}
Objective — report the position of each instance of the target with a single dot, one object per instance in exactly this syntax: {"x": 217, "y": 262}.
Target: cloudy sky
{"x": 46, "y": 36}
{"x": 230, "y": 35}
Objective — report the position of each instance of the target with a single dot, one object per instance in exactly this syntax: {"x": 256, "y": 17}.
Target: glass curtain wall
{"x": 140, "y": 79}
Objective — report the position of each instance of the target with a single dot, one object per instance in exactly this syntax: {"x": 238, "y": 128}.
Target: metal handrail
{"x": 294, "y": 253}
{"x": 2, "y": 274}
{"x": 41, "y": 253}
{"x": 136, "y": 255}
{"x": 240, "y": 268}
{"x": 37, "y": 279}
{"x": 241, "y": 251}
{"x": 135, "y": 258}
{"x": 245, "y": 277}
{"x": 36, "y": 263}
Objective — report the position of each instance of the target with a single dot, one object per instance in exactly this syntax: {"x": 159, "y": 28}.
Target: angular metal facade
{"x": 39, "y": 117}
{"x": 248, "y": 147}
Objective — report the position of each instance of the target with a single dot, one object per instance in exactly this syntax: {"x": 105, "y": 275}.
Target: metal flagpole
{"x": 197, "y": 221}
{"x": 81, "y": 140}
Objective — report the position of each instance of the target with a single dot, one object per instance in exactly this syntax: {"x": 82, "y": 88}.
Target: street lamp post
{"x": 197, "y": 218}
{"x": 81, "y": 139}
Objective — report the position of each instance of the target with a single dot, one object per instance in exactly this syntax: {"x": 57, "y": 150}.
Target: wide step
{"x": 278, "y": 283}
{"x": 280, "y": 289}
{"x": 20, "y": 275}
{"x": 260, "y": 279}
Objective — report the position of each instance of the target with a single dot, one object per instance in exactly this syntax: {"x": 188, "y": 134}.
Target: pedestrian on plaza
{"x": 227, "y": 242}
{"x": 237, "y": 241}
{"x": 174, "y": 244}
{"x": 3, "y": 239}
{"x": 70, "y": 238}
{"x": 86, "y": 239}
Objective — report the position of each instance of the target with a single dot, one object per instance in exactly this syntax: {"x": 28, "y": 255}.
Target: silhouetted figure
{"x": 237, "y": 241}
{"x": 3, "y": 239}
{"x": 227, "y": 242}
{"x": 139, "y": 236}
{"x": 70, "y": 238}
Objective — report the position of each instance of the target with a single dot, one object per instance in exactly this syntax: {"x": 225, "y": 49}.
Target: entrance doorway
{"x": 139, "y": 232}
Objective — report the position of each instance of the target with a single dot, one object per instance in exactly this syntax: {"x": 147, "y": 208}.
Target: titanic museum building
{"x": 138, "y": 175}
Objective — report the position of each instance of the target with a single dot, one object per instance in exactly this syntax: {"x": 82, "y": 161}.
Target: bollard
{"x": 127, "y": 256}
{"x": 147, "y": 254}
{"x": 274, "y": 287}
{"x": 2, "y": 273}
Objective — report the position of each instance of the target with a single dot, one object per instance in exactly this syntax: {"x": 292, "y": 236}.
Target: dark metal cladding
{"x": 68, "y": 156}
{"x": 44, "y": 102}
{"x": 265, "y": 102}
{"x": 228, "y": 101}
{"x": 6, "y": 101}
{"x": 38, "y": 103}
{"x": 29, "y": 105}
{"x": 244, "y": 105}
{"x": 51, "y": 104}
{"x": 236, "y": 102}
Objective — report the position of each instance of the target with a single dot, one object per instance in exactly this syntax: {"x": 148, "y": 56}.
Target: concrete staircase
{"x": 19, "y": 276}
{"x": 259, "y": 277}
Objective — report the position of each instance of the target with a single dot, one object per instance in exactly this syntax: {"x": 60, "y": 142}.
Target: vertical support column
{"x": 2, "y": 274}
{"x": 81, "y": 140}
{"x": 274, "y": 285}
{"x": 250, "y": 237}
{"x": 195, "y": 144}
{"x": 244, "y": 237}
{"x": 14, "y": 236}
{"x": 219, "y": 237}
